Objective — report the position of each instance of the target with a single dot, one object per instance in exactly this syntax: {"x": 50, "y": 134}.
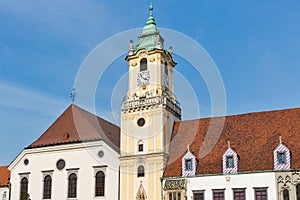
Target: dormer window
{"x": 229, "y": 162}
{"x": 143, "y": 65}
{"x": 282, "y": 157}
{"x": 188, "y": 165}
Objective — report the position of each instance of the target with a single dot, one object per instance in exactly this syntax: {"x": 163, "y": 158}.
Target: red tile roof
{"x": 78, "y": 125}
{"x": 253, "y": 137}
{"x": 4, "y": 176}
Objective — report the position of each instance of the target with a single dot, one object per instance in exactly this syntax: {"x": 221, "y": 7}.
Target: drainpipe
{"x": 9, "y": 190}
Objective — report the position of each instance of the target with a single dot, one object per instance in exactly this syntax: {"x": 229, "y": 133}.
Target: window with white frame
{"x": 72, "y": 182}
{"x": 100, "y": 180}
{"x": 24, "y": 177}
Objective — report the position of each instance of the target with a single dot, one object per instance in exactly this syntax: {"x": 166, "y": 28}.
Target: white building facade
{"x": 86, "y": 168}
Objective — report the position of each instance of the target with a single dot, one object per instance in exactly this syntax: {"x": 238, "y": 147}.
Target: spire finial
{"x": 151, "y": 10}
{"x": 188, "y": 147}
{"x": 73, "y": 95}
{"x": 228, "y": 143}
{"x": 151, "y": 19}
{"x": 280, "y": 139}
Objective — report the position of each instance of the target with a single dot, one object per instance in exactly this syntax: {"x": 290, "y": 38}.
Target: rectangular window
{"x": 229, "y": 162}
{"x": 218, "y": 194}
{"x": 188, "y": 165}
{"x": 166, "y": 68}
{"x": 198, "y": 195}
{"x": 174, "y": 196}
{"x": 281, "y": 158}
{"x": 261, "y": 193}
{"x": 141, "y": 148}
{"x": 239, "y": 194}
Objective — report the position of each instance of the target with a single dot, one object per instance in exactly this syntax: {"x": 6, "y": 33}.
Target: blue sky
{"x": 255, "y": 45}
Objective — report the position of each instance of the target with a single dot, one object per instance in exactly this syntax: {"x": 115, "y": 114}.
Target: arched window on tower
{"x": 100, "y": 184}
{"x": 286, "y": 194}
{"x": 24, "y": 188}
{"x": 72, "y": 186}
{"x": 141, "y": 171}
{"x": 143, "y": 65}
{"x": 298, "y": 191}
{"x": 47, "y": 187}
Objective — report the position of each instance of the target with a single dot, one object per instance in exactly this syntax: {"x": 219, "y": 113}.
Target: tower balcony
{"x": 151, "y": 102}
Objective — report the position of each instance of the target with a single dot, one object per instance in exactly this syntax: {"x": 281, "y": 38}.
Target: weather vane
{"x": 73, "y": 95}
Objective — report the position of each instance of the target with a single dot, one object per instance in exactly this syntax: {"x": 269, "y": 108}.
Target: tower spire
{"x": 151, "y": 19}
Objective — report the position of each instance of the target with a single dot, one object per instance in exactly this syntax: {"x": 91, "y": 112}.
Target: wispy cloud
{"x": 19, "y": 97}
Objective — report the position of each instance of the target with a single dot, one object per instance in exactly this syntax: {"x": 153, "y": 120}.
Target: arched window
{"x": 24, "y": 188}
{"x": 47, "y": 187}
{"x": 100, "y": 184}
{"x": 141, "y": 171}
{"x": 286, "y": 195}
{"x": 143, "y": 65}
{"x": 72, "y": 186}
{"x": 298, "y": 191}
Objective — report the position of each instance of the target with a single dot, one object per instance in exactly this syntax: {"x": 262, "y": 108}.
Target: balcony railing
{"x": 133, "y": 105}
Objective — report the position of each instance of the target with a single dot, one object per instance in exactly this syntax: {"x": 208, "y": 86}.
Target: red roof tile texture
{"x": 252, "y": 136}
{"x": 4, "y": 176}
{"x": 79, "y": 125}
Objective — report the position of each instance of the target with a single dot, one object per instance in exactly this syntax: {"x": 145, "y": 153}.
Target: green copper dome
{"x": 150, "y": 38}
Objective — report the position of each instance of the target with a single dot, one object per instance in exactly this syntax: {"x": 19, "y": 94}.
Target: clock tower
{"x": 147, "y": 115}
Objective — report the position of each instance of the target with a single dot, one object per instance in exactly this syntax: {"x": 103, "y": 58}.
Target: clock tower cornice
{"x": 144, "y": 53}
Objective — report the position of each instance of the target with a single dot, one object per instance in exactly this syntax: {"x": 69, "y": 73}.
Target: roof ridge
{"x": 240, "y": 114}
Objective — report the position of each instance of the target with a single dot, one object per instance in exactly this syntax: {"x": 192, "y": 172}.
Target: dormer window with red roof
{"x": 189, "y": 164}
{"x": 282, "y": 157}
{"x": 230, "y": 161}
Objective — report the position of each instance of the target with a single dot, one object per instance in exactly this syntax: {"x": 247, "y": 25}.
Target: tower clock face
{"x": 143, "y": 78}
